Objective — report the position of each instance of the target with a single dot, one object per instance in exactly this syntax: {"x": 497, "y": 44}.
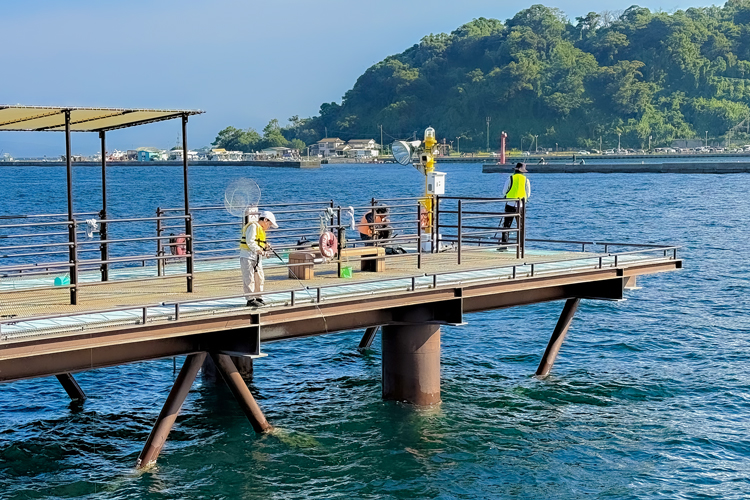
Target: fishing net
{"x": 240, "y": 195}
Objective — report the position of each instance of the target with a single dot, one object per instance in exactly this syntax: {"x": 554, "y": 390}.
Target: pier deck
{"x": 107, "y": 327}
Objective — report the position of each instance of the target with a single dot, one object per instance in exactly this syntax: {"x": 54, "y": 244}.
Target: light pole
{"x": 451, "y": 145}
{"x": 649, "y": 143}
{"x": 556, "y": 148}
{"x": 706, "y": 138}
{"x": 536, "y": 143}
{"x": 458, "y": 144}
{"x": 488, "y": 133}
{"x": 600, "y": 145}
{"x": 522, "y": 144}
{"x": 618, "y": 142}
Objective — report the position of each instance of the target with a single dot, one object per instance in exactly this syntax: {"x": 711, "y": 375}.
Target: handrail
{"x": 412, "y": 288}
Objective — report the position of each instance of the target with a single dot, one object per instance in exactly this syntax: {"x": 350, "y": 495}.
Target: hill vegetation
{"x": 638, "y": 74}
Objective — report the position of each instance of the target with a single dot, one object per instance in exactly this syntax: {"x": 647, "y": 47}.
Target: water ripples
{"x": 648, "y": 398}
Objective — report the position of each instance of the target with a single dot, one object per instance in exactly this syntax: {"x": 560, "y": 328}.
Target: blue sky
{"x": 243, "y": 62}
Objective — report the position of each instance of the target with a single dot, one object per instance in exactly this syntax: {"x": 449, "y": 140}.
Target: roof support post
{"x": 103, "y": 214}
{"x": 239, "y": 389}
{"x": 558, "y": 336}
{"x": 72, "y": 249}
{"x": 171, "y": 408}
{"x": 188, "y": 221}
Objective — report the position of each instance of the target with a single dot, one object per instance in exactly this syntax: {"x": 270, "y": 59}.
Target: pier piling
{"x": 411, "y": 363}
{"x": 368, "y": 337}
{"x": 239, "y": 388}
{"x": 558, "y": 336}
{"x": 71, "y": 387}
{"x": 171, "y": 408}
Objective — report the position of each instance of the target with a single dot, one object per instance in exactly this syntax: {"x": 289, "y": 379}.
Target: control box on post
{"x": 436, "y": 183}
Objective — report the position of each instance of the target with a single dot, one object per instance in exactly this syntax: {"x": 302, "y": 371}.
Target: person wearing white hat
{"x": 253, "y": 247}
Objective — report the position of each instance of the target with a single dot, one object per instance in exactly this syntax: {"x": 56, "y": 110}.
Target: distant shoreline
{"x": 170, "y": 163}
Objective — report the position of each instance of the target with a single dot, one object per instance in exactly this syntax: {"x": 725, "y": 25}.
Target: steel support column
{"x": 411, "y": 363}
{"x": 188, "y": 222}
{"x": 368, "y": 337}
{"x": 171, "y": 408}
{"x": 72, "y": 237}
{"x": 103, "y": 214}
{"x": 240, "y": 391}
{"x": 71, "y": 387}
{"x": 558, "y": 336}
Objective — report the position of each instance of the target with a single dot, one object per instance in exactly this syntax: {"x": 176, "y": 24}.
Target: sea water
{"x": 648, "y": 398}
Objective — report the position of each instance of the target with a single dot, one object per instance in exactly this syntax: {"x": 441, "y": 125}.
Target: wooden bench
{"x": 302, "y": 263}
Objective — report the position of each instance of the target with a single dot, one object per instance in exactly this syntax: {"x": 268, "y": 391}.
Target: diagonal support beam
{"x": 368, "y": 337}
{"x": 168, "y": 414}
{"x": 240, "y": 391}
{"x": 71, "y": 387}
{"x": 558, "y": 336}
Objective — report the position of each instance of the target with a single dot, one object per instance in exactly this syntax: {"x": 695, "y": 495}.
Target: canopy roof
{"x": 52, "y": 118}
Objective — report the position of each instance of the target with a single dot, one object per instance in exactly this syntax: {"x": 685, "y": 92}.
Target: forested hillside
{"x": 638, "y": 74}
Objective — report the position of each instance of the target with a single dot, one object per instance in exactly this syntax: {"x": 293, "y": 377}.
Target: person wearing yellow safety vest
{"x": 253, "y": 247}
{"x": 517, "y": 187}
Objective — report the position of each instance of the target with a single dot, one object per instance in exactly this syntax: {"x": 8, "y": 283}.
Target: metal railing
{"x": 432, "y": 280}
{"x": 471, "y": 224}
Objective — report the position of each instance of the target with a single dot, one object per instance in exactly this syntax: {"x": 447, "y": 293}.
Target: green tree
{"x": 272, "y": 136}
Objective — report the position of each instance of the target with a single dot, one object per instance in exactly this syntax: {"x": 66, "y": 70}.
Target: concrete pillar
{"x": 209, "y": 372}
{"x": 411, "y": 363}
{"x": 244, "y": 366}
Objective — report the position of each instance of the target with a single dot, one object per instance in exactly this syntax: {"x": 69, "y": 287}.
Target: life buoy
{"x": 424, "y": 218}
{"x": 328, "y": 244}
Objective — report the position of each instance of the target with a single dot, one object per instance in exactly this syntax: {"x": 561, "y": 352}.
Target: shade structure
{"x": 69, "y": 119}
{"x": 52, "y": 118}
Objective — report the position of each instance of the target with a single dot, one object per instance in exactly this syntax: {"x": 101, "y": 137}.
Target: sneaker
{"x": 260, "y": 301}
{"x": 255, "y": 302}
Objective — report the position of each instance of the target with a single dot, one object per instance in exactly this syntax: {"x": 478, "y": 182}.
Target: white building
{"x": 327, "y": 147}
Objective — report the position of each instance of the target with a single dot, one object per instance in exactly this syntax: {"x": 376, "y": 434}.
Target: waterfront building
{"x": 327, "y": 146}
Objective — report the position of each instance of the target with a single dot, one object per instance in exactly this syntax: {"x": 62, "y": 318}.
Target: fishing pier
{"x": 82, "y": 291}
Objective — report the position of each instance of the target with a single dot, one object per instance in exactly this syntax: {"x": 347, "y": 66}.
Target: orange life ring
{"x": 424, "y": 218}
{"x": 178, "y": 245}
{"x": 328, "y": 244}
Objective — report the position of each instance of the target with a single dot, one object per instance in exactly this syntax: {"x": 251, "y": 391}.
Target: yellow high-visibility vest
{"x": 260, "y": 236}
{"x": 517, "y": 189}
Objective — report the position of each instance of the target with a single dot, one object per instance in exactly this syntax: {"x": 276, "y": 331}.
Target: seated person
{"x": 367, "y": 231}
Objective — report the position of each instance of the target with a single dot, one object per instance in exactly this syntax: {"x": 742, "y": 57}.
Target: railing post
{"x": 523, "y": 230}
{"x": 103, "y": 247}
{"x": 159, "y": 247}
{"x": 332, "y": 212}
{"x": 340, "y": 234}
{"x": 189, "y": 248}
{"x": 436, "y": 226}
{"x": 519, "y": 224}
{"x": 459, "y": 232}
{"x": 419, "y": 235}
{"x": 372, "y": 228}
